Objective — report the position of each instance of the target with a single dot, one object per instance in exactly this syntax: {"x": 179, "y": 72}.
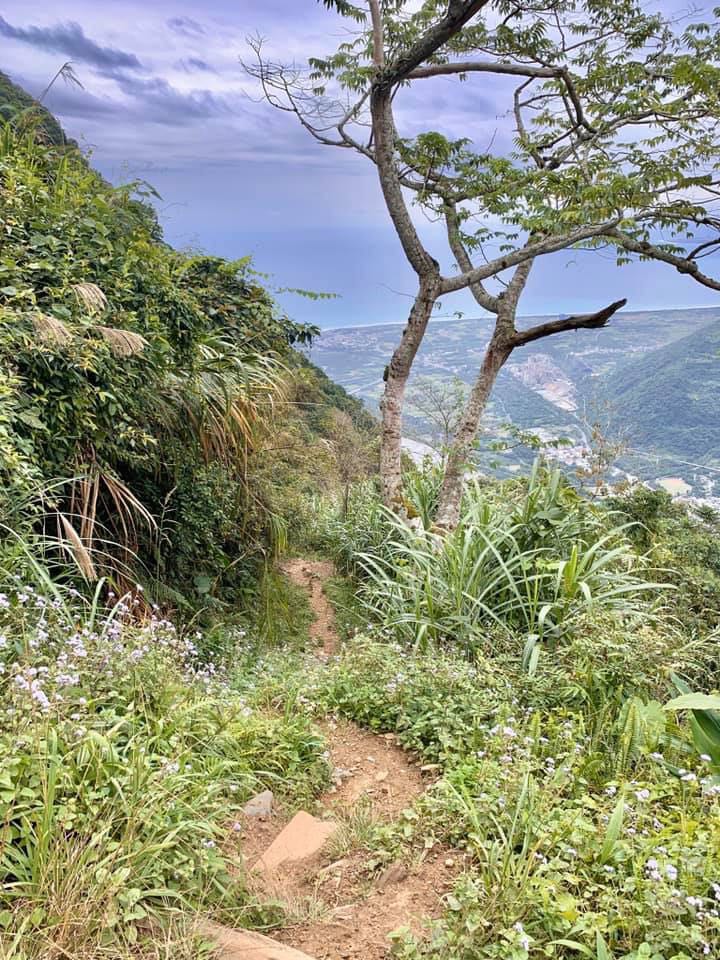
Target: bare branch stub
{"x": 583, "y": 321}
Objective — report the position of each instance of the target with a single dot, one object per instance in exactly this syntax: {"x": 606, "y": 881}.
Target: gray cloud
{"x": 193, "y": 64}
{"x": 163, "y": 103}
{"x": 70, "y": 40}
{"x": 146, "y": 100}
{"x": 186, "y": 26}
{"x": 238, "y": 177}
{"x": 68, "y": 101}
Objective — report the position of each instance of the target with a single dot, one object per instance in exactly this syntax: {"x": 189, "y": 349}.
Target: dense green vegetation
{"x": 124, "y": 764}
{"x": 587, "y": 815}
{"x": 159, "y": 441}
{"x": 529, "y": 655}
{"x": 24, "y": 111}
{"x": 678, "y": 540}
{"x": 581, "y": 841}
{"x": 140, "y": 386}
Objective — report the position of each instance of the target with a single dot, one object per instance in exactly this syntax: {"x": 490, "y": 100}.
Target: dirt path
{"x": 311, "y": 575}
{"x": 341, "y": 907}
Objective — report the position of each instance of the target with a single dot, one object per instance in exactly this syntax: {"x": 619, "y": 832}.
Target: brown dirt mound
{"x": 362, "y": 913}
{"x": 370, "y": 765}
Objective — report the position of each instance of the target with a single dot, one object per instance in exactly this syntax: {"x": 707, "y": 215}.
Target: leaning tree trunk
{"x": 448, "y": 511}
{"x": 504, "y": 340}
{"x": 427, "y": 270}
{"x": 396, "y": 378}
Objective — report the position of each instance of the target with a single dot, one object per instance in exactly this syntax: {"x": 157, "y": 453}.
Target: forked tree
{"x": 608, "y": 137}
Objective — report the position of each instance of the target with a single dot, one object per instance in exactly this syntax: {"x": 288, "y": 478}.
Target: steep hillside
{"x": 16, "y": 102}
{"x": 644, "y": 366}
{"x": 327, "y": 394}
{"x": 670, "y": 397}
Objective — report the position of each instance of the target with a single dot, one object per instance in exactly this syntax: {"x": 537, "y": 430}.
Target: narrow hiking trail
{"x": 317, "y": 865}
{"x": 311, "y": 576}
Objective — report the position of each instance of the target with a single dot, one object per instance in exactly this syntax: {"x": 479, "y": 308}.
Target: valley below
{"x": 649, "y": 383}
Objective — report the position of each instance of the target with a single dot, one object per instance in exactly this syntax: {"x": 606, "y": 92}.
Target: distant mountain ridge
{"x": 656, "y": 372}
{"x": 671, "y": 397}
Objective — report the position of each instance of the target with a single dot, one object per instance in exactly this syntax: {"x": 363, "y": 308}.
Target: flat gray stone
{"x": 260, "y": 805}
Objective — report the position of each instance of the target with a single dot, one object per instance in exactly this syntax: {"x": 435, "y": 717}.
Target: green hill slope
{"x": 16, "y": 102}
{"x": 149, "y": 382}
{"x": 670, "y": 397}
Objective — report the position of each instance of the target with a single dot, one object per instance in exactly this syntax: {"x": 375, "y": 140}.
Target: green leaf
{"x": 573, "y": 945}
{"x": 203, "y": 583}
{"x": 694, "y": 701}
{"x": 601, "y": 947}
{"x": 613, "y": 831}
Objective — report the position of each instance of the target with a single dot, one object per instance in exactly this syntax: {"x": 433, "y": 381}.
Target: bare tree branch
{"x": 452, "y": 223}
{"x": 549, "y": 244}
{"x": 581, "y": 321}
{"x": 377, "y": 33}
{"x": 483, "y": 66}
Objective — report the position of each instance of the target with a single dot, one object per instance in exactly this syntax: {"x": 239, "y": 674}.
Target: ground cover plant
{"x": 125, "y": 761}
{"x": 587, "y": 831}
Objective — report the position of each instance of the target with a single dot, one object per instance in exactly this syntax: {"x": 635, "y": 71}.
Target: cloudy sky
{"x": 164, "y": 98}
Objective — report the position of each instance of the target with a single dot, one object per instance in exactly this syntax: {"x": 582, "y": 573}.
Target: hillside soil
{"x": 311, "y": 575}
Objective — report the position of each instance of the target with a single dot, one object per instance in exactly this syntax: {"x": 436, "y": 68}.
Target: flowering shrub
{"x": 123, "y": 761}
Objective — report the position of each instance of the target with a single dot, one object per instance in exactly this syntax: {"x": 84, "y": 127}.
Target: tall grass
{"x": 526, "y": 571}
{"x": 364, "y": 529}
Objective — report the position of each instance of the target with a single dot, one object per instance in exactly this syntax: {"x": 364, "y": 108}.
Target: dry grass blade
{"x": 78, "y": 550}
{"x": 127, "y": 503}
{"x": 123, "y": 343}
{"x": 89, "y": 490}
{"x": 100, "y": 491}
{"x": 50, "y": 330}
{"x": 220, "y": 403}
{"x": 91, "y": 297}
